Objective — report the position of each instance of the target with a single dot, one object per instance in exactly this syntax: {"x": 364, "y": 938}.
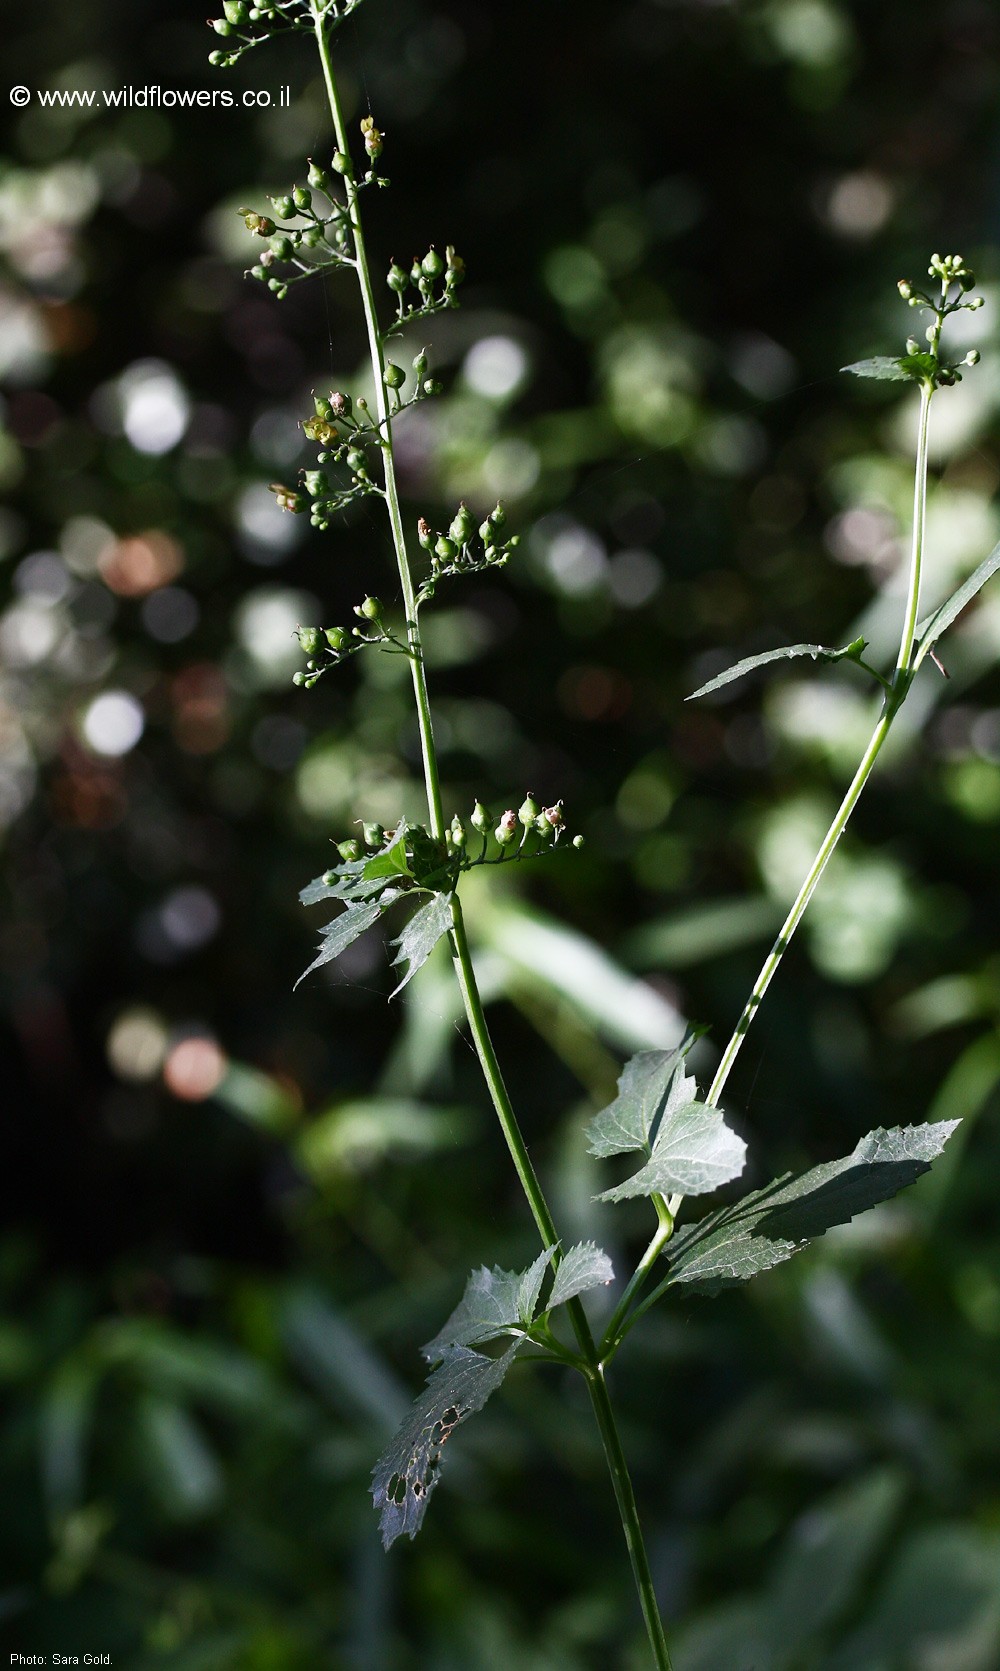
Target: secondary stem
{"x": 615, "y": 1456}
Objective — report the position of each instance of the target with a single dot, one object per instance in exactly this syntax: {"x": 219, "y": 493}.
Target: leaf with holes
{"x": 771, "y": 1224}
{"x": 930, "y": 629}
{"x": 421, "y": 934}
{"x": 581, "y": 1268}
{"x": 494, "y": 1301}
{"x": 408, "y": 1472}
{"x": 818, "y": 652}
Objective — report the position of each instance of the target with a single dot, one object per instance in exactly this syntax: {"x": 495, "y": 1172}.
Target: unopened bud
{"x": 425, "y": 533}
{"x": 528, "y": 811}
{"x": 336, "y": 637}
{"x": 462, "y": 526}
{"x": 420, "y": 365}
{"x": 432, "y": 265}
{"x": 317, "y": 177}
{"x": 309, "y": 639}
{"x": 395, "y": 376}
{"x": 480, "y": 817}
{"x": 905, "y": 289}
{"x": 445, "y": 548}
{"x": 373, "y": 834}
{"x": 396, "y": 279}
{"x": 372, "y": 608}
{"x": 350, "y": 851}
{"x": 578, "y": 842}
{"x": 457, "y": 832}
{"x": 506, "y": 830}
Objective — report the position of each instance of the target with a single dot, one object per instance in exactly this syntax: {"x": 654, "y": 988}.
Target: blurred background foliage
{"x": 231, "y": 1215}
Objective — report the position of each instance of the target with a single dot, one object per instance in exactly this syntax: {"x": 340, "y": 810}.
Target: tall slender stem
{"x": 428, "y": 752}
{"x": 625, "y": 1498}
{"x": 594, "y": 1371}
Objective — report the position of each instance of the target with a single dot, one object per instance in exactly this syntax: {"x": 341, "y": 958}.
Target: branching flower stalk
{"x": 681, "y": 1142}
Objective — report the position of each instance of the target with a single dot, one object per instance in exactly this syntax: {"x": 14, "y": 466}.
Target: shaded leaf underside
{"x": 771, "y": 1224}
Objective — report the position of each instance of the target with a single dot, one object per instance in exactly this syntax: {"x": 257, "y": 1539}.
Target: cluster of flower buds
{"x": 373, "y": 838}
{"x": 245, "y": 23}
{"x": 339, "y": 426}
{"x": 314, "y": 233}
{"x": 457, "y": 551}
{"x": 435, "y": 279}
{"x": 956, "y": 280}
{"x": 327, "y": 647}
{"x": 512, "y": 831}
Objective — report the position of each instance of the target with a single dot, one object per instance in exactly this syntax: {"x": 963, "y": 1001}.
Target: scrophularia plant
{"x": 675, "y": 1135}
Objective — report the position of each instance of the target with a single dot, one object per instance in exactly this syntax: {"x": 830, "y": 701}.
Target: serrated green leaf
{"x": 694, "y": 1152}
{"x": 651, "y": 1086}
{"x": 818, "y": 652}
{"x": 773, "y": 1223}
{"x": 581, "y": 1268}
{"x": 494, "y": 1301}
{"x": 421, "y": 934}
{"x": 409, "y": 1470}
{"x": 882, "y": 367}
{"x": 343, "y": 931}
{"x": 930, "y": 629}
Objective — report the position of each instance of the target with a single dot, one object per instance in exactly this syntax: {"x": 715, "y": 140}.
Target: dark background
{"x": 232, "y": 1214}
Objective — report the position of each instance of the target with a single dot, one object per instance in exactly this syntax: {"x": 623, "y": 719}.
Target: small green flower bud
{"x": 315, "y": 483}
{"x": 236, "y": 11}
{"x": 283, "y": 247}
{"x": 217, "y": 59}
{"x": 416, "y": 272}
{"x": 966, "y": 278}
{"x": 930, "y": 333}
{"x": 976, "y": 303}
{"x": 323, "y": 407}
{"x": 432, "y": 265}
{"x": 317, "y": 177}
{"x": 356, "y": 460}
{"x": 972, "y": 358}
{"x": 298, "y": 679}
{"x": 258, "y": 272}
{"x": 905, "y": 289}
{"x": 337, "y": 639}
{"x": 543, "y": 826}
{"x": 283, "y": 207}
{"x": 480, "y": 817}
{"x": 457, "y": 831}
{"x": 506, "y": 830}
{"x": 372, "y": 609}
{"x": 350, "y": 851}
{"x": 434, "y": 387}
{"x": 912, "y": 345}
{"x": 462, "y": 525}
{"x": 309, "y": 639}
{"x": 420, "y": 366}
{"x": 528, "y": 811}
{"x": 947, "y": 378}
{"x": 578, "y": 842}
{"x": 396, "y": 279}
{"x": 425, "y": 533}
{"x": 446, "y": 548}
{"x": 221, "y": 27}
{"x": 395, "y": 376}
{"x": 373, "y": 834}
{"x": 330, "y": 878}
{"x": 498, "y": 518}
{"x": 301, "y": 197}
{"x": 341, "y": 162}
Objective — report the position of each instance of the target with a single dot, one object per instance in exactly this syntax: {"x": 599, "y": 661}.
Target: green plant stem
{"x": 623, "y": 1320}
{"x": 892, "y": 703}
{"x": 615, "y": 1456}
{"x": 625, "y": 1498}
{"x": 432, "y": 780}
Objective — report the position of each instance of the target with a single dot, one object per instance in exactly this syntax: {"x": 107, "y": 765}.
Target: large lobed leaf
{"x": 773, "y": 1223}
{"x": 651, "y": 1085}
{"x": 688, "y": 1146}
{"x": 818, "y": 652}
{"x": 882, "y": 367}
{"x": 344, "y": 930}
{"x": 930, "y": 629}
{"x": 494, "y": 1303}
{"x": 408, "y": 1471}
{"x": 694, "y": 1153}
